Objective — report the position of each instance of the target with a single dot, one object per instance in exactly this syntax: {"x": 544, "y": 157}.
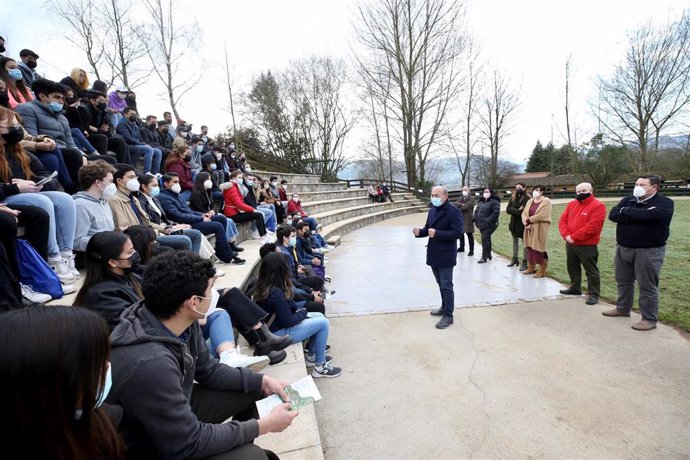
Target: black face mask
{"x": 4, "y": 99}
{"x": 14, "y": 135}
{"x": 187, "y": 159}
{"x": 582, "y": 196}
{"x": 70, "y": 100}
{"x": 519, "y": 192}
{"x": 134, "y": 260}
{"x": 152, "y": 125}
{"x": 2, "y": 48}
{"x": 101, "y": 106}
{"x": 32, "y": 64}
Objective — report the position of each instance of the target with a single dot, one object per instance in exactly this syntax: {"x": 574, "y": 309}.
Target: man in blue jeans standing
{"x": 443, "y": 227}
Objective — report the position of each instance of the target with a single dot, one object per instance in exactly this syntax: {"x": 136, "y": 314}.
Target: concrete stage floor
{"x": 539, "y": 379}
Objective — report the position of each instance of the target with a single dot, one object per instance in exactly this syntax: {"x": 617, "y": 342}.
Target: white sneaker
{"x": 265, "y": 240}
{"x": 68, "y": 289}
{"x": 255, "y": 235}
{"x": 61, "y": 269}
{"x": 38, "y": 297}
{"x": 219, "y": 272}
{"x": 327, "y": 278}
{"x": 69, "y": 258}
{"x": 234, "y": 358}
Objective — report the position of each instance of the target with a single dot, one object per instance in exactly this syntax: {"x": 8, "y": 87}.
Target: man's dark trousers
{"x": 586, "y": 257}
{"x": 644, "y": 266}
{"x": 444, "y": 278}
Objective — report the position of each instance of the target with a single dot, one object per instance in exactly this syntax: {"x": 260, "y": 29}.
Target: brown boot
{"x": 616, "y": 312}
{"x": 542, "y": 269}
{"x": 531, "y": 269}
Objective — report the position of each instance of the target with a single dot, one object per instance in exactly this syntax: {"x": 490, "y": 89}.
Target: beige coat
{"x": 538, "y": 236}
{"x": 124, "y": 217}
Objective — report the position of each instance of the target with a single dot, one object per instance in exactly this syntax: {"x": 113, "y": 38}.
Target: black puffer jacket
{"x": 487, "y": 211}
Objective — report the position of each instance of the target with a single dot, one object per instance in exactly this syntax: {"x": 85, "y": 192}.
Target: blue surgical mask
{"x": 288, "y": 221}
{"x": 436, "y": 201}
{"x": 293, "y": 242}
{"x": 106, "y": 387}
{"x": 199, "y": 148}
{"x": 55, "y": 107}
{"x": 155, "y": 191}
{"x": 15, "y": 74}
{"x": 250, "y": 183}
{"x": 214, "y": 166}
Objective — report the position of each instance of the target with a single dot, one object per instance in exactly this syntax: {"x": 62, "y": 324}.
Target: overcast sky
{"x": 529, "y": 40}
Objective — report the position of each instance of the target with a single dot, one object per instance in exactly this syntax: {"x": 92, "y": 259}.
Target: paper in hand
{"x": 302, "y": 393}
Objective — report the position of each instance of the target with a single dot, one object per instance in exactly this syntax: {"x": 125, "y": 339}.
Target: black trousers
{"x": 216, "y": 406}
{"x": 578, "y": 257}
{"x": 243, "y": 312}
{"x": 248, "y": 217}
{"x": 314, "y": 282}
{"x": 315, "y": 307}
{"x": 470, "y": 240}
{"x": 486, "y": 241}
{"x": 35, "y": 222}
{"x": 103, "y": 143}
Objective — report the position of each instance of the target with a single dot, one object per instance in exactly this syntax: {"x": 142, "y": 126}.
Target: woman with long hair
{"x": 536, "y": 217}
{"x": 78, "y": 81}
{"x": 486, "y": 216}
{"x": 17, "y": 91}
{"x": 273, "y": 293}
{"x": 54, "y": 377}
{"x": 110, "y": 285}
{"x": 20, "y": 171}
{"x": 178, "y": 162}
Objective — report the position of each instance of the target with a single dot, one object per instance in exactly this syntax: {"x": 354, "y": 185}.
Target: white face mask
{"x": 248, "y": 169}
{"x": 133, "y": 185}
{"x": 214, "y": 301}
{"x": 219, "y": 156}
{"x": 465, "y": 193}
{"x": 208, "y": 184}
{"x": 536, "y": 193}
{"x": 109, "y": 191}
{"x": 295, "y": 199}
{"x": 274, "y": 184}
{"x": 177, "y": 188}
{"x": 639, "y": 192}
{"x": 486, "y": 195}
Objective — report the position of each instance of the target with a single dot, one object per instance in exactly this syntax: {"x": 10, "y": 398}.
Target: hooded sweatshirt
{"x": 93, "y": 216}
{"x": 153, "y": 375}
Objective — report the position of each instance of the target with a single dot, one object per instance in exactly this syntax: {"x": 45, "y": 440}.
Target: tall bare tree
{"x": 499, "y": 105}
{"x": 80, "y": 18}
{"x": 418, "y": 43}
{"x": 171, "y": 49}
{"x": 229, "y": 83}
{"x": 648, "y": 90}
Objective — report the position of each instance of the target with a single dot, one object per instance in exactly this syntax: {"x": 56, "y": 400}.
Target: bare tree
{"x": 499, "y": 105}
{"x": 418, "y": 43}
{"x": 81, "y": 20}
{"x": 229, "y": 83}
{"x": 648, "y": 90}
{"x": 171, "y": 47}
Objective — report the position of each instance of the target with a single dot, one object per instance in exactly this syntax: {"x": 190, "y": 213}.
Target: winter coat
{"x": 487, "y": 212}
{"x": 643, "y": 224}
{"x": 38, "y": 119}
{"x": 37, "y": 169}
{"x": 583, "y": 221}
{"x": 177, "y": 210}
{"x": 184, "y": 172}
{"x": 93, "y": 216}
{"x": 441, "y": 250}
{"x": 295, "y": 207}
{"x": 516, "y": 202}
{"x": 287, "y": 313}
{"x": 538, "y": 236}
{"x": 78, "y": 90}
{"x": 155, "y": 217}
{"x": 111, "y": 297}
{"x": 234, "y": 203}
{"x": 130, "y": 132}
{"x": 124, "y": 216}
{"x": 466, "y": 206}
{"x": 155, "y": 373}
{"x": 201, "y": 201}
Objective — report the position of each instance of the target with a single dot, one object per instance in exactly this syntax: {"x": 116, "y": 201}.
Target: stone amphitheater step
{"x": 333, "y": 232}
{"x": 301, "y": 187}
{"x": 331, "y": 217}
{"x": 307, "y": 196}
{"x": 291, "y": 178}
{"x": 327, "y": 203}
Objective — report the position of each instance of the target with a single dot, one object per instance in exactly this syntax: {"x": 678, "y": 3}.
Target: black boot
{"x": 275, "y": 356}
{"x": 235, "y": 248}
{"x": 270, "y": 342}
{"x": 523, "y": 266}
{"x": 515, "y": 262}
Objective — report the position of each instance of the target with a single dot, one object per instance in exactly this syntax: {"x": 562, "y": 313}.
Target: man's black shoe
{"x": 461, "y": 249}
{"x": 436, "y": 312}
{"x": 570, "y": 291}
{"x": 592, "y": 300}
{"x": 444, "y": 322}
{"x": 238, "y": 261}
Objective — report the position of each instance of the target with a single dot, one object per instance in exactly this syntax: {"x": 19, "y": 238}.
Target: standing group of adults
{"x": 642, "y": 228}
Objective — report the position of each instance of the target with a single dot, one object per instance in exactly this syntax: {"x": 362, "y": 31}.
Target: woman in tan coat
{"x": 537, "y": 220}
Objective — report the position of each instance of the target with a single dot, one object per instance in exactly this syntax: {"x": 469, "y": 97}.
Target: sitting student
{"x": 209, "y": 165}
{"x": 273, "y": 293}
{"x": 148, "y": 193}
{"x": 93, "y": 213}
{"x": 55, "y": 375}
{"x": 222, "y": 166}
{"x": 117, "y": 104}
{"x": 266, "y": 197}
{"x": 101, "y": 133}
{"x": 158, "y": 351}
{"x": 282, "y": 194}
{"x": 128, "y": 128}
{"x": 78, "y": 81}
{"x": 295, "y": 206}
{"x": 371, "y": 193}
{"x": 164, "y": 142}
{"x": 110, "y": 285}
{"x": 206, "y": 223}
{"x": 379, "y": 194}
{"x": 150, "y": 135}
{"x": 178, "y": 163}
{"x": 386, "y": 193}
{"x": 202, "y": 201}
{"x": 237, "y": 210}
{"x": 17, "y": 90}
{"x": 249, "y": 190}
{"x": 287, "y": 242}
{"x": 78, "y": 126}
{"x": 305, "y": 254}
{"x": 198, "y": 149}
{"x": 28, "y": 66}
{"x": 20, "y": 171}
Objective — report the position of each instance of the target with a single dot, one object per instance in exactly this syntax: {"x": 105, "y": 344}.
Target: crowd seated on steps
{"x": 136, "y": 238}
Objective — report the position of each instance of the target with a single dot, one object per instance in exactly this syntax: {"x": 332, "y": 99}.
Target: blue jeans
{"x": 218, "y": 329}
{"x": 152, "y": 157}
{"x": 82, "y": 142}
{"x": 189, "y": 240}
{"x": 314, "y": 327}
{"x": 230, "y": 229}
{"x": 54, "y": 161}
{"x": 444, "y": 278}
{"x": 217, "y": 226}
{"x": 63, "y": 217}
{"x": 271, "y": 220}
{"x": 312, "y": 223}
{"x": 318, "y": 240}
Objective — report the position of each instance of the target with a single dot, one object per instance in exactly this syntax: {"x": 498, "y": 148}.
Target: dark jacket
{"x": 487, "y": 212}
{"x": 97, "y": 118}
{"x": 38, "y": 172}
{"x": 161, "y": 218}
{"x": 184, "y": 172}
{"x": 515, "y": 207}
{"x": 111, "y": 297}
{"x": 78, "y": 117}
{"x": 67, "y": 81}
{"x": 304, "y": 251}
{"x": 149, "y": 135}
{"x": 164, "y": 141}
{"x": 466, "y": 206}
{"x": 201, "y": 202}
{"x": 38, "y": 119}
{"x": 287, "y": 313}
{"x": 643, "y": 225}
{"x": 441, "y": 249}
{"x": 250, "y": 197}
{"x": 154, "y": 372}
{"x": 130, "y": 132}
{"x": 177, "y": 210}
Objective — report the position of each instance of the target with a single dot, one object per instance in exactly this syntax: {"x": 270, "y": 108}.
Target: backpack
{"x": 35, "y": 272}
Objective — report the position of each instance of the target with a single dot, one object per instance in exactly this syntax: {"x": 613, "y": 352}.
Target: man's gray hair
{"x": 584, "y": 184}
{"x": 443, "y": 188}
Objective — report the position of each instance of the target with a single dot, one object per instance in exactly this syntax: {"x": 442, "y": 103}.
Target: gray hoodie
{"x": 93, "y": 216}
{"x": 153, "y": 375}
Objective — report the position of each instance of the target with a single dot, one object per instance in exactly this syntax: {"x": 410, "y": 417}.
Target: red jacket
{"x": 234, "y": 203}
{"x": 282, "y": 194}
{"x": 294, "y": 208}
{"x": 583, "y": 221}
{"x": 184, "y": 170}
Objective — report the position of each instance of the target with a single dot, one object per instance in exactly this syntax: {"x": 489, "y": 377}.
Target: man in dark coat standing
{"x": 443, "y": 227}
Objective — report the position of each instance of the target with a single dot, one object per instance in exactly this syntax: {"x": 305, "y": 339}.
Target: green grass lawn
{"x": 675, "y": 274}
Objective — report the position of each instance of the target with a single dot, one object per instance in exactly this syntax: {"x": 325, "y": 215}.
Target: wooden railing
{"x": 395, "y": 186}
